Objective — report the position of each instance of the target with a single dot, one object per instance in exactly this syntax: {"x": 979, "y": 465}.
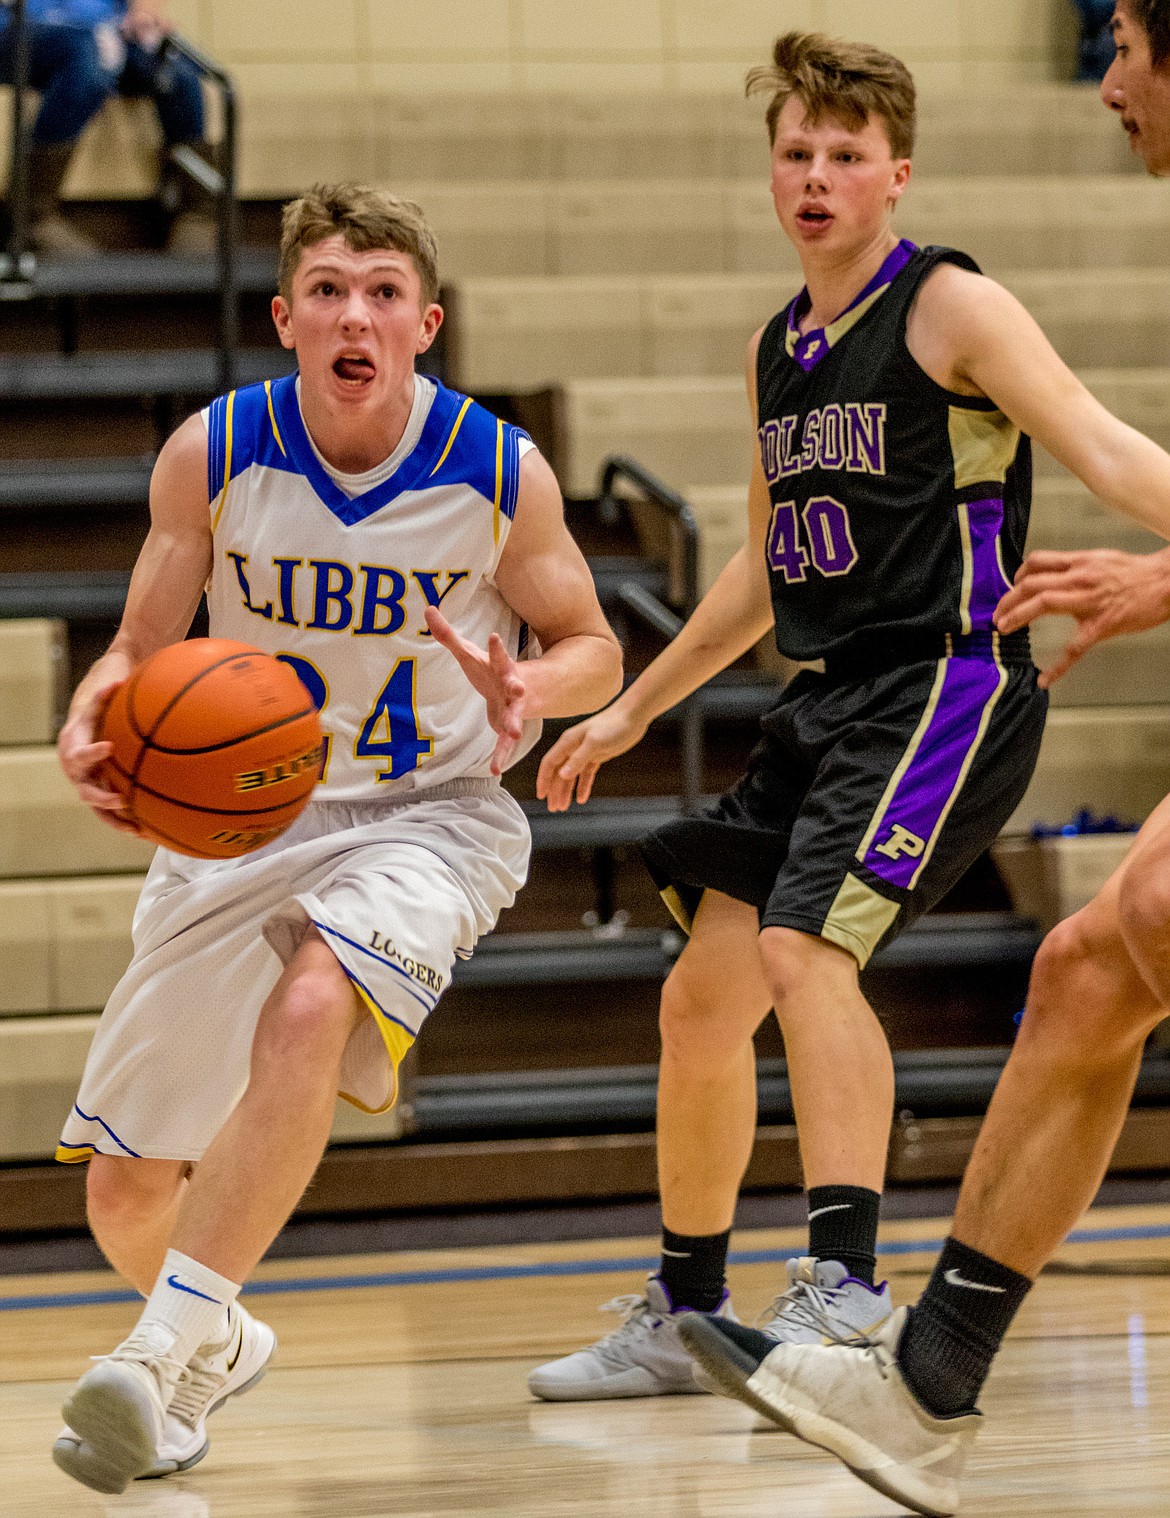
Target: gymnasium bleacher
{"x": 605, "y": 259}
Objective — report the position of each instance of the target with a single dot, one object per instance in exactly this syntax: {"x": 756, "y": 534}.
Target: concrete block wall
{"x": 356, "y": 47}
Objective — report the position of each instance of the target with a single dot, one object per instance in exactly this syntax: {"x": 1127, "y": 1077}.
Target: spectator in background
{"x": 1096, "y": 49}
{"x": 80, "y": 53}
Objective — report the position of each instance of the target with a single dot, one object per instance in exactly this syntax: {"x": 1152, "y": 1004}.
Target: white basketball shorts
{"x": 397, "y": 888}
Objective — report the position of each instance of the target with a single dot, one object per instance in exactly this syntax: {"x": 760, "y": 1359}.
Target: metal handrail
{"x": 650, "y": 610}
{"x": 17, "y": 263}
{"x": 221, "y": 183}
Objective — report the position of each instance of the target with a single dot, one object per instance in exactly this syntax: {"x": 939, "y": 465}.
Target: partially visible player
{"x": 901, "y": 1413}
{"x": 888, "y": 504}
{"x": 406, "y": 553}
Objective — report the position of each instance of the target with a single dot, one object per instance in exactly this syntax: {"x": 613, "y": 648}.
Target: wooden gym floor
{"x": 399, "y": 1390}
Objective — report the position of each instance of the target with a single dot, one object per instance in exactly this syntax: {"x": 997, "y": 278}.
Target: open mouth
{"x": 354, "y": 369}
{"x": 813, "y": 217}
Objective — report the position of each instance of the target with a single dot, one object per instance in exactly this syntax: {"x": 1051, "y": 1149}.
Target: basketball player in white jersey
{"x": 393, "y": 542}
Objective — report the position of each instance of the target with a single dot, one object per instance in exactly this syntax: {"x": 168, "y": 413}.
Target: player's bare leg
{"x": 270, "y": 1146}
{"x": 132, "y": 1205}
{"x": 839, "y": 1061}
{"x": 1060, "y": 1103}
{"x": 1099, "y": 986}
{"x": 1144, "y": 904}
{"x": 193, "y": 1345}
{"x": 712, "y": 1003}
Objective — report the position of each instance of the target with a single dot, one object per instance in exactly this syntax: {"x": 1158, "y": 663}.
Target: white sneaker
{"x": 181, "y": 1448}
{"x": 642, "y": 1358}
{"x": 824, "y": 1304}
{"x": 119, "y": 1407}
{"x": 851, "y": 1400}
{"x": 214, "y": 1373}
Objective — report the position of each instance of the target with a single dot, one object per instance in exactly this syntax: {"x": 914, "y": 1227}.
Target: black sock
{"x": 843, "y": 1225}
{"x": 952, "y": 1336}
{"x": 693, "y": 1268}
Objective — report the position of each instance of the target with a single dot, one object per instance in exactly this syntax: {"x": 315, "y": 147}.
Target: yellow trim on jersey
{"x": 272, "y": 419}
{"x": 74, "y": 1154}
{"x": 968, "y": 579}
{"x": 836, "y": 330}
{"x": 499, "y": 481}
{"x": 858, "y": 919}
{"x": 674, "y": 905}
{"x": 983, "y": 445}
{"x": 454, "y": 435}
{"x": 227, "y": 459}
{"x": 398, "y": 1041}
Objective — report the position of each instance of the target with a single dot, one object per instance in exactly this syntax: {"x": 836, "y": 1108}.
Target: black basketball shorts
{"x": 865, "y": 800}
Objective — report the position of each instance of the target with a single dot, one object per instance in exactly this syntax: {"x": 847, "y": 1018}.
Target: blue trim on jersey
{"x": 253, "y": 441}
{"x": 470, "y": 459}
{"x": 85, "y": 1117}
{"x": 215, "y": 438}
{"x": 411, "y": 985}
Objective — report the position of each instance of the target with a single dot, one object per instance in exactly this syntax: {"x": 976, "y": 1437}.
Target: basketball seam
{"x": 218, "y": 811}
{"x": 144, "y": 739}
{"x": 213, "y": 748}
{"x": 182, "y": 691}
{"x": 146, "y": 744}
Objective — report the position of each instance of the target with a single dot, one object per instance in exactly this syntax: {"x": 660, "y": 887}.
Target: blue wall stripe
{"x": 549, "y": 1268}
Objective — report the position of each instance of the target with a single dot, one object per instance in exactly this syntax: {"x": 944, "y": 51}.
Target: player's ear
{"x": 282, "y": 317}
{"x": 431, "y": 322}
{"x": 901, "y": 179}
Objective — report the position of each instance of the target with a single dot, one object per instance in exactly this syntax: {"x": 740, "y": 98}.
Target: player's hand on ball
{"x": 82, "y": 758}
{"x": 496, "y": 676}
{"x": 577, "y": 755}
{"x": 1108, "y": 592}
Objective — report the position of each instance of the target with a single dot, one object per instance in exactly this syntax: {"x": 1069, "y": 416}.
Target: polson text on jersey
{"x": 369, "y": 600}
{"x": 850, "y": 436}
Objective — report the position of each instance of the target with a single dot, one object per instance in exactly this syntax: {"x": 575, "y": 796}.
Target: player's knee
{"x": 127, "y": 1192}
{"x": 1077, "y": 1009}
{"x": 791, "y": 959}
{"x": 690, "y": 1023}
{"x": 311, "y": 1022}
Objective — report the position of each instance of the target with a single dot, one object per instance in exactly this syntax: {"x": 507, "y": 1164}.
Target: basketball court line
{"x": 580, "y": 1267}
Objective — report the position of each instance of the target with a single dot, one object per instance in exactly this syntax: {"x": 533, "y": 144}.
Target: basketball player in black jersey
{"x": 893, "y": 400}
{"x": 899, "y": 1412}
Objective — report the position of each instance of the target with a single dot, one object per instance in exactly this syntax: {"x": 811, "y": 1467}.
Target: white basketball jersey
{"x": 337, "y": 587}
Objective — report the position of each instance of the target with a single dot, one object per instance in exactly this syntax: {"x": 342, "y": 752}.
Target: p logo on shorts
{"x": 901, "y": 842}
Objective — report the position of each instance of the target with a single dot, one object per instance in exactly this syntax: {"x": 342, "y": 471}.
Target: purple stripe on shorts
{"x": 922, "y": 794}
{"x": 985, "y": 523}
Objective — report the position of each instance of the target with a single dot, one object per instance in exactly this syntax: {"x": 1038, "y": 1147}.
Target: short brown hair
{"x": 847, "y": 80}
{"x": 1153, "y": 16}
{"x": 367, "y": 219}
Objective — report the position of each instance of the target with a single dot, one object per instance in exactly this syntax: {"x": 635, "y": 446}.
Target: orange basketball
{"x": 217, "y": 747}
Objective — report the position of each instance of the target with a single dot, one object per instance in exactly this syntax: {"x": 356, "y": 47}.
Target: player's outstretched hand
{"x": 496, "y": 676}
{"x": 577, "y": 755}
{"x": 1108, "y": 592}
{"x": 81, "y": 758}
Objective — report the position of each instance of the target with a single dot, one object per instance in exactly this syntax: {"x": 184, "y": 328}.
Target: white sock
{"x": 190, "y": 1301}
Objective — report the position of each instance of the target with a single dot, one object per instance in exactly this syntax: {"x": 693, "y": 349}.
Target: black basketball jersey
{"x": 899, "y": 509}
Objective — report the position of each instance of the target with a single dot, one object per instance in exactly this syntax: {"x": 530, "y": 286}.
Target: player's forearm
{"x": 578, "y": 674}
{"x": 1131, "y": 474}
{"x": 731, "y": 618}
